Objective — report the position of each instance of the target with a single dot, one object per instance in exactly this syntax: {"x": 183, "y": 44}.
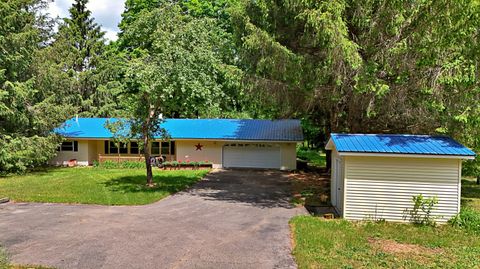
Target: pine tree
{"x": 83, "y": 35}
{"x": 28, "y": 111}
{"x": 78, "y": 47}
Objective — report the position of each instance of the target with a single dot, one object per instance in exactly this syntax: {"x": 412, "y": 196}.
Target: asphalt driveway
{"x": 232, "y": 219}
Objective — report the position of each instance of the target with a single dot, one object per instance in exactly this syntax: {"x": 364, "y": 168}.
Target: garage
{"x": 252, "y": 155}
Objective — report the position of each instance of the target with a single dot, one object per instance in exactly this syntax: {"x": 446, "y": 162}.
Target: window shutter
{"x": 75, "y": 146}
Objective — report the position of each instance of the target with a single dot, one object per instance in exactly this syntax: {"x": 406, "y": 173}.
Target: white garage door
{"x": 251, "y": 155}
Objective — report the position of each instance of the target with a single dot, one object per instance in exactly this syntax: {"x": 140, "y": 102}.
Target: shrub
{"x": 121, "y": 165}
{"x": 468, "y": 219}
{"x": 132, "y": 164}
{"x": 421, "y": 213}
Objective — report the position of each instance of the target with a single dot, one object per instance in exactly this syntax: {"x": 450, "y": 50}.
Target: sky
{"x": 107, "y": 13}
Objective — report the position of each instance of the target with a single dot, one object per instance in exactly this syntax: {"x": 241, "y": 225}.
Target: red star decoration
{"x": 198, "y": 146}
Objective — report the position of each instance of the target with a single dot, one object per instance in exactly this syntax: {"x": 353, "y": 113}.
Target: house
{"x": 375, "y": 176}
{"x": 223, "y": 142}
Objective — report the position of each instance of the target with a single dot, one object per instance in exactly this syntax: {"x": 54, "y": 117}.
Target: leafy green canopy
{"x": 173, "y": 65}
{"x": 228, "y": 76}
{"x": 366, "y": 66}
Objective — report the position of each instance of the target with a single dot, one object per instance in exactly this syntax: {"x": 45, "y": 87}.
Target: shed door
{"x": 339, "y": 185}
{"x": 248, "y": 155}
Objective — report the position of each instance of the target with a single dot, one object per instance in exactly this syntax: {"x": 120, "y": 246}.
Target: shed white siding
{"x": 383, "y": 187}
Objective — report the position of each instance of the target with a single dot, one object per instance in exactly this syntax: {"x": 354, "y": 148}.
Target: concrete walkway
{"x": 232, "y": 219}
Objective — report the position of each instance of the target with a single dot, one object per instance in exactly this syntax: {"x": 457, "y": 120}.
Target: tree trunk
{"x": 146, "y": 154}
{"x": 478, "y": 180}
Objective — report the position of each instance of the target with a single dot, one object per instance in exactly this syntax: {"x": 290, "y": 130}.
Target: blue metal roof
{"x": 221, "y": 129}
{"x": 399, "y": 144}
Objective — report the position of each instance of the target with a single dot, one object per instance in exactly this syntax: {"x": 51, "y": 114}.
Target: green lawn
{"x": 312, "y": 156}
{"x": 342, "y": 244}
{"x": 89, "y": 185}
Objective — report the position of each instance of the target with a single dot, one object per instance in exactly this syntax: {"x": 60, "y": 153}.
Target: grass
{"x": 471, "y": 194}
{"x": 89, "y": 185}
{"x": 314, "y": 157}
{"x": 5, "y": 263}
{"x": 342, "y": 244}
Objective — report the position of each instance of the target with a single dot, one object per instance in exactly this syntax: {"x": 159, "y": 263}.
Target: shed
{"x": 375, "y": 176}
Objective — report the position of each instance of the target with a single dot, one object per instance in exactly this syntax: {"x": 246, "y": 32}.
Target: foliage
{"x": 29, "y": 108}
{"x": 120, "y": 165}
{"x": 171, "y": 70}
{"x": 77, "y": 53}
{"x": 312, "y": 156}
{"x": 365, "y": 66}
{"x": 96, "y": 186}
{"x": 468, "y": 219}
{"x": 322, "y": 243}
{"x": 19, "y": 154}
{"x": 421, "y": 213}
{"x": 215, "y": 21}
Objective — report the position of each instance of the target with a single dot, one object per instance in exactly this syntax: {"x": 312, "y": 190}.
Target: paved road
{"x": 232, "y": 219}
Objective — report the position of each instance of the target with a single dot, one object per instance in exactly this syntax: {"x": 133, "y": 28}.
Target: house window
{"x": 113, "y": 149}
{"x": 172, "y": 147}
{"x": 134, "y": 148}
{"x": 123, "y": 148}
{"x": 69, "y": 146}
{"x": 165, "y": 148}
{"x": 155, "y": 148}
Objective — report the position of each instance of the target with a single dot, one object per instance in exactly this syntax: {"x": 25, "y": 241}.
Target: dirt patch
{"x": 394, "y": 247}
{"x": 313, "y": 187}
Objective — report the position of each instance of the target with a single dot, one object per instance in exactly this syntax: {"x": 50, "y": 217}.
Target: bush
{"x": 422, "y": 210}
{"x": 468, "y": 219}
{"x": 120, "y": 165}
{"x": 19, "y": 154}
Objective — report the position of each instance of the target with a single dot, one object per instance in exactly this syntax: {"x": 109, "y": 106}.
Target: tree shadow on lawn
{"x": 470, "y": 189}
{"x": 137, "y": 184}
{"x": 40, "y": 171}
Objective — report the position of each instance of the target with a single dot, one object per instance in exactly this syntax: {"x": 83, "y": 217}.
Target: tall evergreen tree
{"x": 28, "y": 111}
{"x": 77, "y": 49}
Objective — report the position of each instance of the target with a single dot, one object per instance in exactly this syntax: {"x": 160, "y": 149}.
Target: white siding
{"x": 82, "y": 155}
{"x": 383, "y": 187}
{"x": 336, "y": 183}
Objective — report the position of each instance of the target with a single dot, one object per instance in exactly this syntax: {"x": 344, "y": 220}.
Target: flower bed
{"x": 174, "y": 165}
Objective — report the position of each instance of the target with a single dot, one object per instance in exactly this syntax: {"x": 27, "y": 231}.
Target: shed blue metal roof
{"x": 215, "y": 129}
{"x": 399, "y": 144}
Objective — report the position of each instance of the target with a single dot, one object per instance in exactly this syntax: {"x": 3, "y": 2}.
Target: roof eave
{"x": 406, "y": 155}
{"x": 198, "y": 138}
